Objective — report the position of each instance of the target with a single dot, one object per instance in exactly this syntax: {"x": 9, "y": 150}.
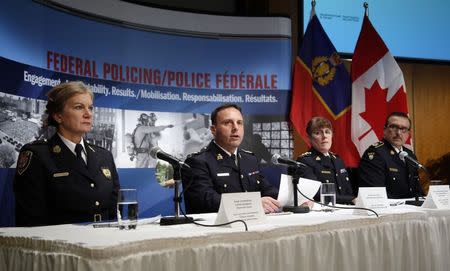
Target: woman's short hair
{"x": 317, "y": 123}
{"x": 59, "y": 95}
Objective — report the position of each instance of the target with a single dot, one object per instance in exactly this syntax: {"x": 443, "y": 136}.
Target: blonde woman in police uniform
{"x": 326, "y": 166}
{"x": 66, "y": 179}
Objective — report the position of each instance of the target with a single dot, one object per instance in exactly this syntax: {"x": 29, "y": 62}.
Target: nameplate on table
{"x": 438, "y": 197}
{"x": 308, "y": 187}
{"x": 371, "y": 198}
{"x": 245, "y": 206}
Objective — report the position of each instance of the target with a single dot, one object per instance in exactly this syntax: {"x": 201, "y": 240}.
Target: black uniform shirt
{"x": 214, "y": 172}
{"x": 52, "y": 187}
{"x": 328, "y": 169}
{"x": 381, "y": 166}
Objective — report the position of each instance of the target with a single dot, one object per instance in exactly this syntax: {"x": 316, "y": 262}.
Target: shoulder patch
{"x": 24, "y": 161}
{"x": 378, "y": 144}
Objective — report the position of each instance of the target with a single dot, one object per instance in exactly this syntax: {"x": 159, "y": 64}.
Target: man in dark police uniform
{"x": 381, "y": 165}
{"x": 222, "y": 167}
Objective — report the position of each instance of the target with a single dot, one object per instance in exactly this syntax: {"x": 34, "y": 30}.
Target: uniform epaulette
{"x": 305, "y": 154}
{"x": 92, "y": 146}
{"x": 246, "y": 151}
{"x": 197, "y": 153}
{"x": 38, "y": 142}
{"x": 332, "y": 154}
{"x": 378, "y": 144}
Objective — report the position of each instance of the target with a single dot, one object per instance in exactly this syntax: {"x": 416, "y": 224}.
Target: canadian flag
{"x": 378, "y": 87}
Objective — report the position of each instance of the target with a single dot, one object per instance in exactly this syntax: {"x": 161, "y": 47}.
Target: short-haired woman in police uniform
{"x": 326, "y": 166}
{"x": 65, "y": 179}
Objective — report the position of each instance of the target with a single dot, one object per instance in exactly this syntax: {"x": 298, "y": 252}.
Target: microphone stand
{"x": 294, "y": 172}
{"x": 176, "y": 219}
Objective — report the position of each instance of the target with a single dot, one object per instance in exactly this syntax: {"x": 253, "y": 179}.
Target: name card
{"x": 286, "y": 194}
{"x": 438, "y": 197}
{"x": 371, "y": 198}
{"x": 245, "y": 206}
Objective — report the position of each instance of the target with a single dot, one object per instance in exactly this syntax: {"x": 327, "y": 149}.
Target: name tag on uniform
{"x": 253, "y": 173}
{"x": 393, "y": 169}
{"x": 326, "y": 172}
{"x": 60, "y": 174}
{"x": 223, "y": 174}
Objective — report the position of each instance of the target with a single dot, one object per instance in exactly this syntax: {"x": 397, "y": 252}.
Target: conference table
{"x": 401, "y": 238}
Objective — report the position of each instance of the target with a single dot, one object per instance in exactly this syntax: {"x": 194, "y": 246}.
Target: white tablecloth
{"x": 405, "y": 238}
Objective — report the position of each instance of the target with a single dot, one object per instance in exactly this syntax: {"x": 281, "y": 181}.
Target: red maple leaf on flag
{"x": 378, "y": 108}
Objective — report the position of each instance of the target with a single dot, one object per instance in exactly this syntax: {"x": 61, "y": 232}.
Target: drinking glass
{"x": 327, "y": 196}
{"x": 127, "y": 209}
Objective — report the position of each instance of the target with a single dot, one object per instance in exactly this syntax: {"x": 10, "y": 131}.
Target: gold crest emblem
{"x": 371, "y": 155}
{"x": 318, "y": 158}
{"x": 56, "y": 149}
{"x": 107, "y": 173}
{"x": 324, "y": 69}
{"x": 219, "y": 156}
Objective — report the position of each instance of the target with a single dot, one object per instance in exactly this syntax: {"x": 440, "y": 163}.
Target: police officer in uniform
{"x": 66, "y": 179}
{"x": 381, "y": 165}
{"x": 145, "y": 137}
{"x": 326, "y": 166}
{"x": 222, "y": 167}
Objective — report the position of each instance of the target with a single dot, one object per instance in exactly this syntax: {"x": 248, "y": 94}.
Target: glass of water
{"x": 327, "y": 196}
{"x": 127, "y": 209}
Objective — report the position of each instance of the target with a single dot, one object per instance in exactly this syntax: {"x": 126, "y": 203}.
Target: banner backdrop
{"x": 151, "y": 89}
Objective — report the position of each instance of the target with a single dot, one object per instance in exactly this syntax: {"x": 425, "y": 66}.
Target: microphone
{"x": 157, "y": 153}
{"x": 404, "y": 156}
{"x": 278, "y": 160}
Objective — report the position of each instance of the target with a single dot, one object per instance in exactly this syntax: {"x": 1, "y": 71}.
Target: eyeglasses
{"x": 396, "y": 128}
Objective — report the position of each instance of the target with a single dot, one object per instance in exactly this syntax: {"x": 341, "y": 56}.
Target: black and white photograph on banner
{"x": 20, "y": 122}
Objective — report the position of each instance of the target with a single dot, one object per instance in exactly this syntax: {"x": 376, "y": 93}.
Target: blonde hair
{"x": 59, "y": 95}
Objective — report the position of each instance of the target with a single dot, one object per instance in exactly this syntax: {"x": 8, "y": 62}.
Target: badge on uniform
{"x": 23, "y": 161}
{"x": 392, "y": 152}
{"x": 318, "y": 158}
{"x": 107, "y": 173}
{"x": 219, "y": 157}
{"x": 371, "y": 155}
{"x": 393, "y": 169}
{"x": 56, "y": 149}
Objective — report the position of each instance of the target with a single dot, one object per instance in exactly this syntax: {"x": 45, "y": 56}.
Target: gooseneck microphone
{"x": 278, "y": 160}
{"x": 157, "y": 153}
{"x": 404, "y": 156}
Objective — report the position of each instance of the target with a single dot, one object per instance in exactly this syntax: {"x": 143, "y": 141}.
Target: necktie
{"x": 233, "y": 157}
{"x": 78, "y": 150}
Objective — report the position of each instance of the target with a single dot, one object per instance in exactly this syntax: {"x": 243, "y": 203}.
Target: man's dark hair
{"x": 397, "y": 114}
{"x": 220, "y": 108}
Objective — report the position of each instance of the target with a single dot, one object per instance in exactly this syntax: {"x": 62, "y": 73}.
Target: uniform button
{"x": 97, "y": 203}
{"x": 92, "y": 185}
{"x": 257, "y": 182}
{"x": 346, "y": 178}
{"x": 393, "y": 178}
{"x": 337, "y": 174}
{"x": 225, "y": 185}
{"x": 242, "y": 176}
{"x": 327, "y": 181}
{"x": 409, "y": 175}
{"x": 340, "y": 188}
{"x": 410, "y": 189}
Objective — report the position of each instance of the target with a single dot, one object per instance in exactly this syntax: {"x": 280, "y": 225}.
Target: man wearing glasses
{"x": 381, "y": 165}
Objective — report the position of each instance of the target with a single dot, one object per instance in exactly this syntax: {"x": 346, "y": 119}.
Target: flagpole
{"x": 366, "y": 8}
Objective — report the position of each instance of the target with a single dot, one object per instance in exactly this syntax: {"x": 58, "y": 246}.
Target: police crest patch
{"x": 23, "y": 162}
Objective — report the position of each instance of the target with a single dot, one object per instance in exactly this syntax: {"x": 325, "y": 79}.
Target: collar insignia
{"x": 219, "y": 157}
{"x": 56, "y": 149}
{"x": 392, "y": 152}
{"x": 318, "y": 158}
